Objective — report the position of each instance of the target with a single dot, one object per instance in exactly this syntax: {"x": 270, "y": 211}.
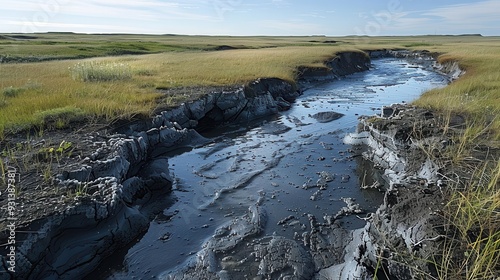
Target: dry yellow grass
{"x": 474, "y": 94}
{"x": 229, "y": 67}
{"x": 56, "y": 88}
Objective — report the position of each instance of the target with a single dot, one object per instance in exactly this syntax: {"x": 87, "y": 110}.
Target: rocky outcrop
{"x": 395, "y": 141}
{"x": 125, "y": 180}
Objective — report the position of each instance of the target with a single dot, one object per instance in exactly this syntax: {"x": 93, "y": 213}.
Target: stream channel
{"x": 281, "y": 162}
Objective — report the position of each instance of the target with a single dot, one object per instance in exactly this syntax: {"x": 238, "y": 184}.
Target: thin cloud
{"x": 451, "y": 19}
{"x": 313, "y": 15}
{"x": 280, "y": 2}
{"x": 117, "y": 9}
{"x": 475, "y": 12}
{"x": 78, "y": 27}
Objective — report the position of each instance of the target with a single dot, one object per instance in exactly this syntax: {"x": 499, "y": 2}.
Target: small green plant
{"x": 94, "y": 71}
{"x": 64, "y": 146}
{"x": 47, "y": 172}
{"x": 81, "y": 190}
{"x": 15, "y": 91}
{"x": 146, "y": 72}
{"x": 77, "y": 191}
{"x": 2, "y": 170}
{"x": 64, "y": 149}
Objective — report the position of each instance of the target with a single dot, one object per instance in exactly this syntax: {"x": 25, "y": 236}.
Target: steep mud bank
{"x": 126, "y": 183}
{"x": 401, "y": 237}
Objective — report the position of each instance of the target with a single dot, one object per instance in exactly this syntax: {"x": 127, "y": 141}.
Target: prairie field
{"x": 38, "y": 73}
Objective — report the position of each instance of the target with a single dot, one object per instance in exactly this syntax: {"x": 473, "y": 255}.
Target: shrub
{"x": 14, "y": 91}
{"x": 11, "y": 91}
{"x": 100, "y": 71}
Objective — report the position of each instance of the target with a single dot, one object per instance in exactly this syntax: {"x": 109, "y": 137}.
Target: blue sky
{"x": 258, "y": 17}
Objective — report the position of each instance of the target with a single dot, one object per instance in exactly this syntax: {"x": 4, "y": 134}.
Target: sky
{"x": 257, "y": 17}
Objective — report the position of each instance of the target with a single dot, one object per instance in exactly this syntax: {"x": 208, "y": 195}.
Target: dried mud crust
{"x": 37, "y": 159}
{"x": 406, "y": 232}
{"x": 418, "y": 136}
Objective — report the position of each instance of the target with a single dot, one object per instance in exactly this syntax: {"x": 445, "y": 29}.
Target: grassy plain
{"x": 172, "y": 61}
{"x": 41, "y": 86}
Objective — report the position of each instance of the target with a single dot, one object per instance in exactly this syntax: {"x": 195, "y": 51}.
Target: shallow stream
{"x": 294, "y": 164}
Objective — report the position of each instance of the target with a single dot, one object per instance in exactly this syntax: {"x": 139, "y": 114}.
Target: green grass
{"x": 50, "y": 46}
{"x": 11, "y": 91}
{"x": 59, "y": 117}
{"x": 169, "y": 61}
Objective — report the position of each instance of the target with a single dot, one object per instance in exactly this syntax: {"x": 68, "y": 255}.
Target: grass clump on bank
{"x": 60, "y": 117}
{"x": 471, "y": 250}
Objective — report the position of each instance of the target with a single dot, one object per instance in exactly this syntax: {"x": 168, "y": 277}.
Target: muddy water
{"x": 295, "y": 164}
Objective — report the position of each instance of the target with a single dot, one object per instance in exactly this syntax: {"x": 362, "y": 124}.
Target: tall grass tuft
{"x": 95, "y": 71}
{"x": 472, "y": 250}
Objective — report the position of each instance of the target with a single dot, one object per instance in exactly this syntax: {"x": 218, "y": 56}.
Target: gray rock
{"x": 199, "y": 108}
{"x": 155, "y": 174}
{"x": 132, "y": 189}
{"x": 324, "y": 117}
{"x": 283, "y": 257}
